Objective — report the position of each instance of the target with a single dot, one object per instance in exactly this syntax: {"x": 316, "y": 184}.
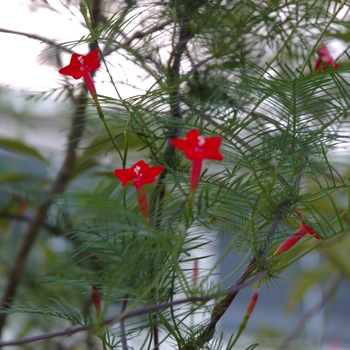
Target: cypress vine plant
{"x": 236, "y": 111}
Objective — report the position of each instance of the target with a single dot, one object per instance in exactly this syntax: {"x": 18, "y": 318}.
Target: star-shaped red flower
{"x": 197, "y": 147}
{"x": 139, "y": 174}
{"x": 81, "y": 65}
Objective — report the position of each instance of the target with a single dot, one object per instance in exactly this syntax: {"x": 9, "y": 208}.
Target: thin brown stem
{"x": 174, "y": 75}
{"x": 174, "y": 61}
{"x": 36, "y": 37}
{"x": 221, "y": 307}
{"x": 58, "y": 186}
{"x": 122, "y": 324}
{"x": 155, "y": 331}
{"x": 185, "y": 36}
{"x": 26, "y": 219}
{"x": 134, "y": 313}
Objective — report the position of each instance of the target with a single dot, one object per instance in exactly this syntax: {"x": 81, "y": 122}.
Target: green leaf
{"x": 12, "y": 177}
{"x": 21, "y": 147}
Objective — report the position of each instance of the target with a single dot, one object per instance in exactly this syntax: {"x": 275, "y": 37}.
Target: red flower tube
{"x": 96, "y": 299}
{"x": 296, "y": 237}
{"x": 80, "y": 66}
{"x": 197, "y": 148}
{"x": 250, "y": 309}
{"x": 326, "y": 60}
{"x": 252, "y": 302}
{"x": 138, "y": 175}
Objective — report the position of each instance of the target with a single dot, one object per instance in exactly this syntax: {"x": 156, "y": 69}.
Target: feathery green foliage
{"x": 241, "y": 70}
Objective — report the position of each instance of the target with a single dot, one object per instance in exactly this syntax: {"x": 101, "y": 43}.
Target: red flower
{"x": 326, "y": 60}
{"x": 296, "y": 237}
{"x": 138, "y": 175}
{"x": 80, "y": 65}
{"x": 197, "y": 148}
{"x": 96, "y": 299}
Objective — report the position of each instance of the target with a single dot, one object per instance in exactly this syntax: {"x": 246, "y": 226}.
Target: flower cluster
{"x": 196, "y": 148}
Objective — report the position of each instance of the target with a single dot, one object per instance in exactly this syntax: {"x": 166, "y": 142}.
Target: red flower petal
{"x": 325, "y": 60}
{"x": 80, "y": 65}
{"x": 126, "y": 176}
{"x": 289, "y": 243}
{"x": 197, "y": 147}
{"x": 91, "y": 59}
{"x": 139, "y": 174}
{"x": 96, "y": 299}
{"x": 308, "y": 229}
{"x": 295, "y": 237}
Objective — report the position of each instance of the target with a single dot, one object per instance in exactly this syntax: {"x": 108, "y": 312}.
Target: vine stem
{"x": 133, "y": 313}
{"x": 222, "y": 306}
{"x": 102, "y": 117}
{"x": 58, "y": 186}
{"x": 36, "y": 37}
{"x": 122, "y": 325}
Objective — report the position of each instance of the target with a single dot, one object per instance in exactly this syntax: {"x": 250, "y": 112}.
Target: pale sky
{"x": 21, "y": 64}
{"x": 23, "y": 67}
